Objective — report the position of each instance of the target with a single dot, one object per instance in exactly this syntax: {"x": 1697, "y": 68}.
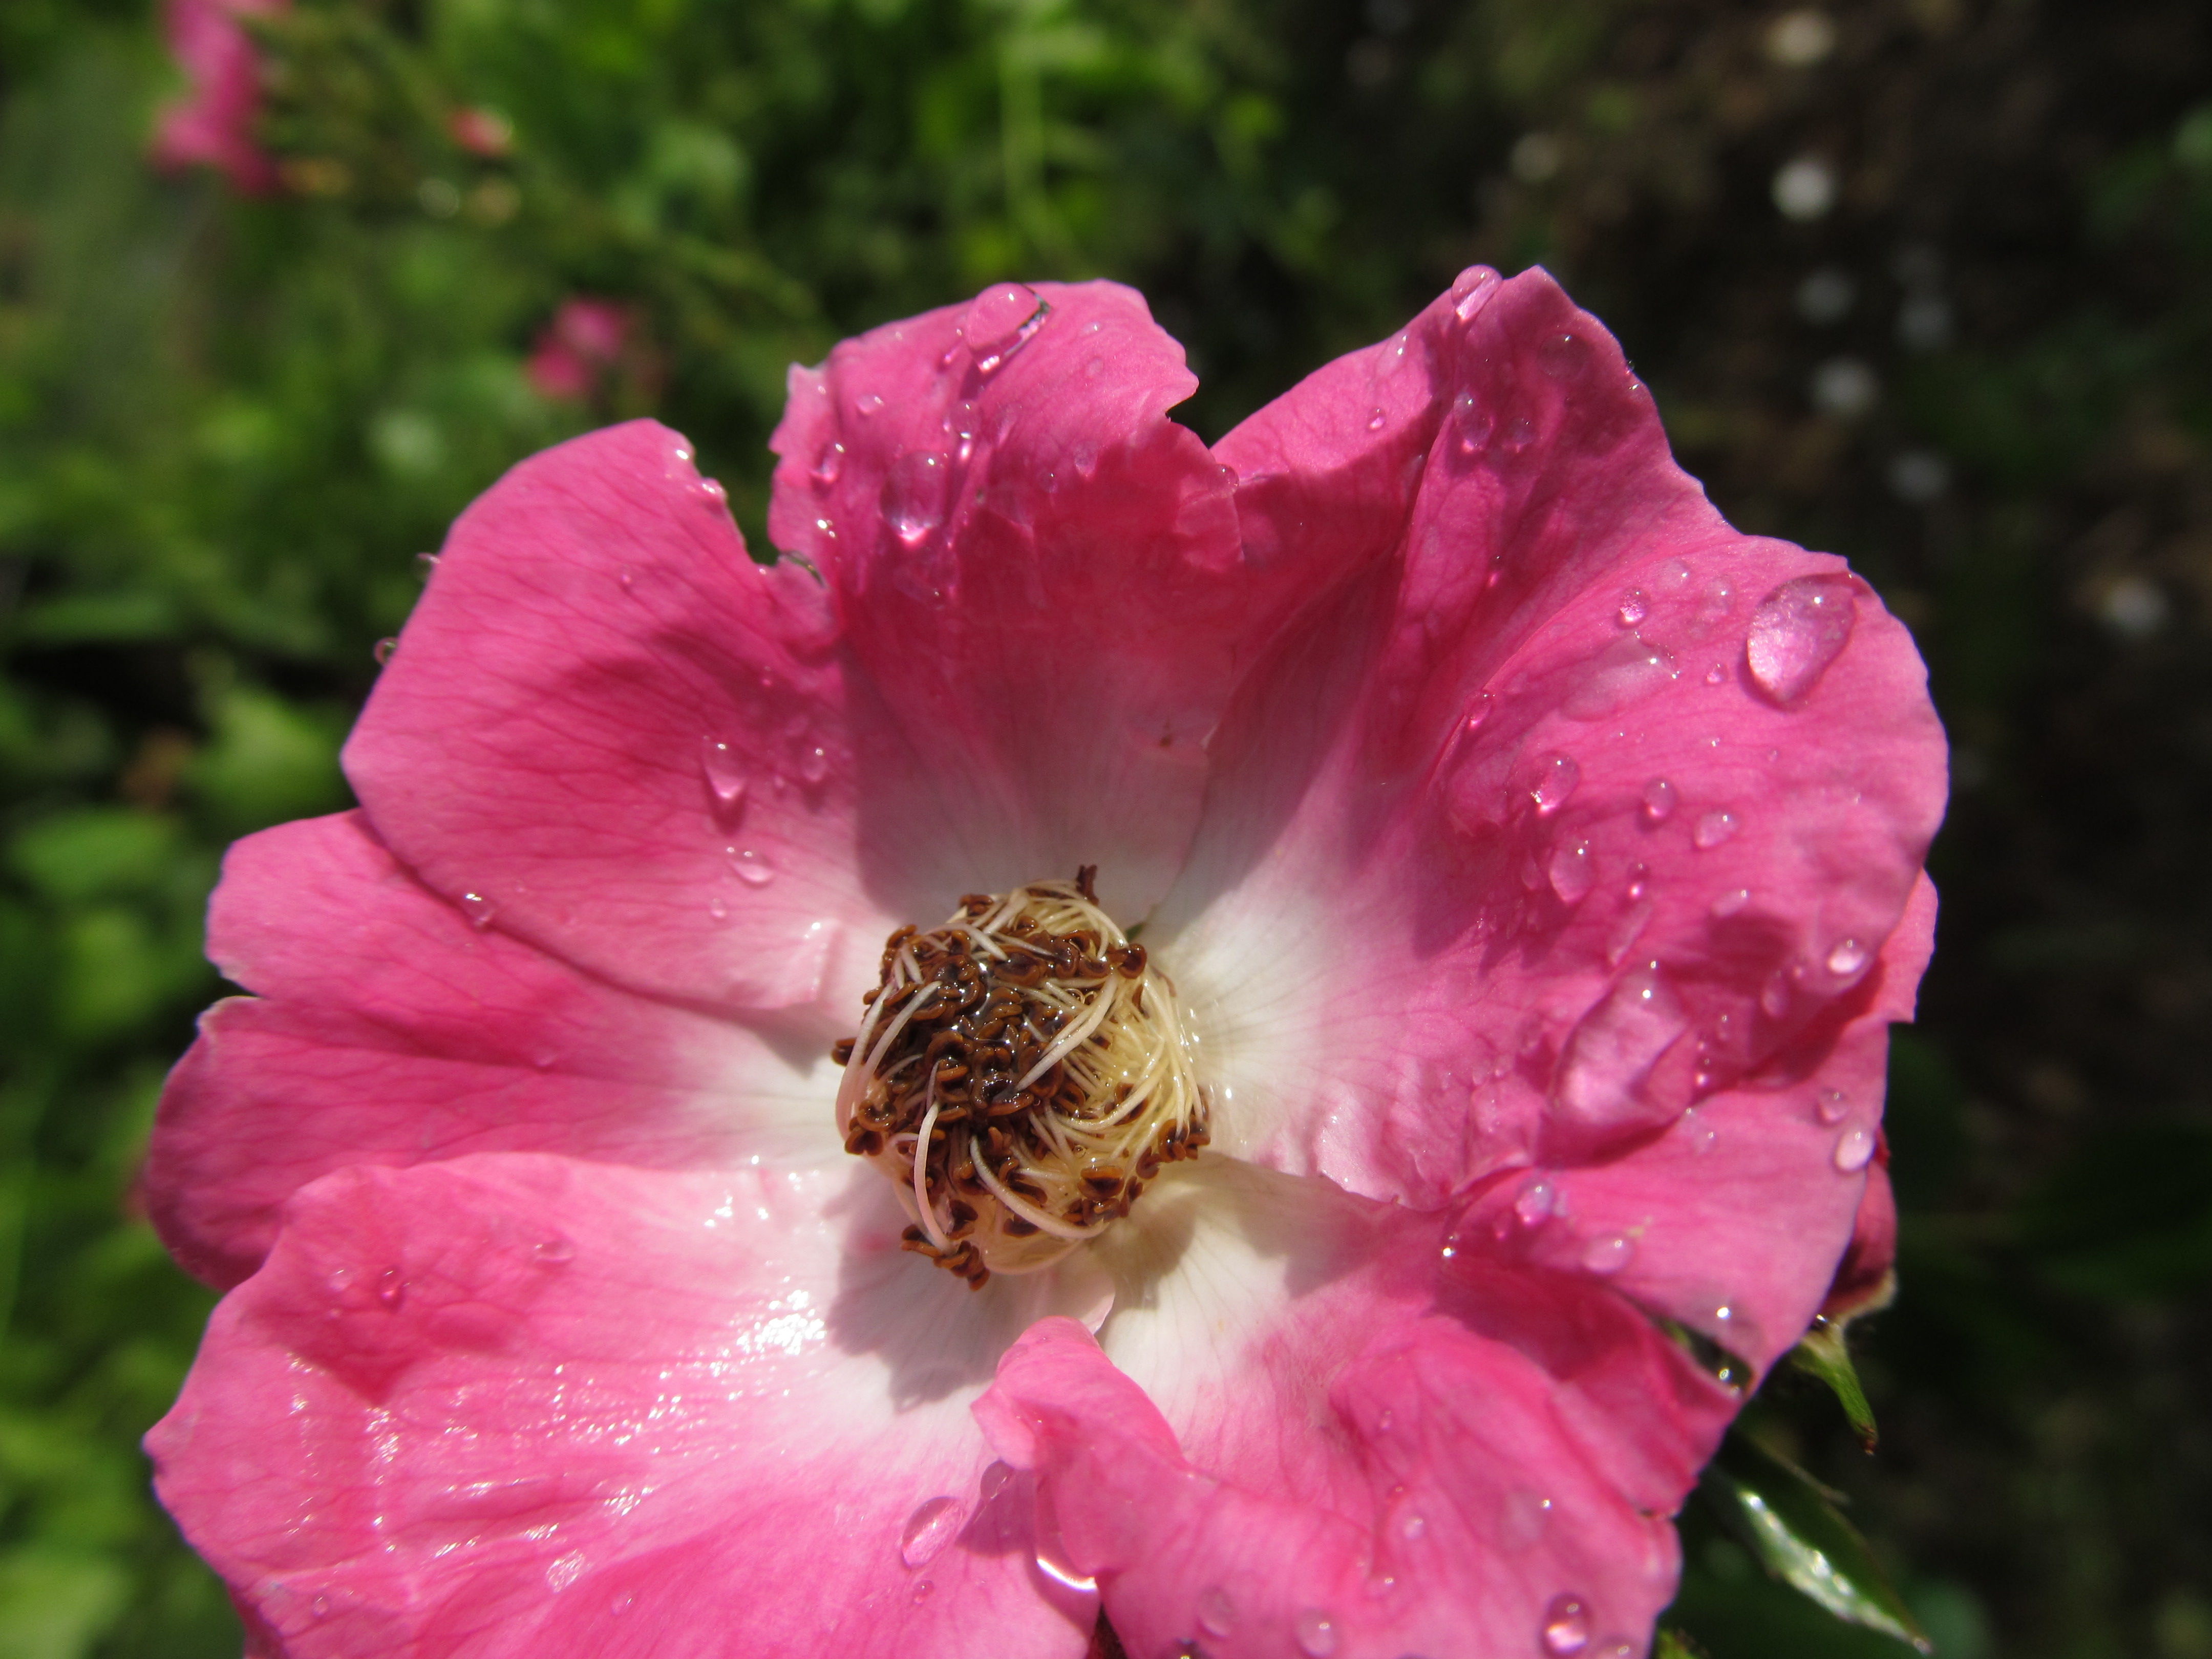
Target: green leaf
{"x": 1787, "y": 1520}
{"x": 1672, "y": 1645}
{"x": 1822, "y": 1352}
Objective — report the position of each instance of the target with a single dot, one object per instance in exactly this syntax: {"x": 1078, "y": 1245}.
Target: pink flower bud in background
{"x": 579, "y": 348}
{"x": 213, "y": 125}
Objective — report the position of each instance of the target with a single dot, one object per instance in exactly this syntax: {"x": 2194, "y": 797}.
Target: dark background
{"x": 1927, "y": 286}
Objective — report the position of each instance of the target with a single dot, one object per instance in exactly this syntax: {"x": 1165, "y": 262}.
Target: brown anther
{"x": 841, "y": 1051}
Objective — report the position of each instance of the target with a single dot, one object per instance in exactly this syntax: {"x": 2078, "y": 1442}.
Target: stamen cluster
{"x": 1020, "y": 1075}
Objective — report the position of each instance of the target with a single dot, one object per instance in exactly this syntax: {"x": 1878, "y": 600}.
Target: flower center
{"x": 1020, "y": 1075}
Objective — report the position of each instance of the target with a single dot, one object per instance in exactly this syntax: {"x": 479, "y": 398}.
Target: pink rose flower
{"x": 213, "y": 125}
{"x": 1529, "y": 867}
{"x": 578, "y": 348}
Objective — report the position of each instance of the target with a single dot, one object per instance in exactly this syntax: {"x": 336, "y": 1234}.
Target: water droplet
{"x": 385, "y": 648}
{"x": 1639, "y": 880}
{"x": 1634, "y": 919}
{"x": 1716, "y": 674}
{"x": 913, "y": 497}
{"x": 321, "y": 1606}
{"x": 1797, "y": 632}
{"x": 929, "y": 1529}
{"x": 1702, "y": 1134}
{"x": 1383, "y": 1422}
{"x": 1523, "y": 1520}
{"x": 1046, "y": 1555}
{"x": 392, "y": 1287}
{"x": 1609, "y": 1254}
{"x": 428, "y": 563}
{"x": 1731, "y": 902}
{"x": 1563, "y": 356}
{"x": 993, "y": 1481}
{"x": 554, "y": 1251}
{"x": 1533, "y": 1204}
{"x": 1317, "y": 1634}
{"x": 828, "y": 464}
{"x": 1479, "y": 709}
{"x": 1624, "y": 673}
{"x": 1520, "y": 433}
{"x": 813, "y": 765}
{"x": 725, "y": 775}
{"x": 997, "y": 316}
{"x": 1833, "y": 1106}
{"x": 1375, "y": 421}
{"x": 1556, "y": 778}
{"x": 1573, "y": 871}
{"x": 719, "y": 907}
{"x": 1471, "y": 290}
{"x": 866, "y": 405}
{"x": 1660, "y": 799}
{"x": 1613, "y": 1046}
{"x": 1216, "y": 1613}
{"x": 1774, "y": 995}
{"x": 752, "y": 868}
{"x": 1854, "y": 1149}
{"x": 923, "y": 1590}
{"x": 628, "y": 578}
{"x": 1566, "y": 1627}
{"x": 478, "y": 910}
{"x": 1633, "y": 609}
{"x": 1713, "y": 829}
{"x": 1847, "y": 958}
{"x": 622, "y": 1604}
{"x": 1412, "y": 1527}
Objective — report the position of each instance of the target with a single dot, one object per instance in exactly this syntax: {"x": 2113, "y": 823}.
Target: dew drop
{"x": 1833, "y": 1106}
{"x": 321, "y": 1606}
{"x": 1854, "y": 1149}
{"x": 1702, "y": 1134}
{"x": 923, "y": 1590}
{"x": 1317, "y": 1634}
{"x": 1375, "y": 421}
{"x": 1634, "y": 919}
{"x": 1573, "y": 871}
{"x": 996, "y": 317}
{"x": 1611, "y": 1049}
{"x": 1556, "y": 778}
{"x": 993, "y": 1481}
{"x": 1713, "y": 829}
{"x": 1523, "y": 1521}
{"x": 1730, "y": 902}
{"x": 867, "y": 405}
{"x": 1216, "y": 1613}
{"x": 1609, "y": 1254}
{"x": 1412, "y": 1527}
{"x": 1660, "y": 799}
{"x": 719, "y": 907}
{"x": 1520, "y": 433}
{"x": 391, "y": 1288}
{"x": 1797, "y": 632}
{"x": 814, "y": 765}
{"x": 1479, "y": 709}
{"x": 1639, "y": 880}
{"x": 1847, "y": 958}
{"x": 1566, "y": 1626}
{"x": 385, "y": 648}
{"x": 1624, "y": 673}
{"x": 1774, "y": 995}
{"x": 752, "y": 868}
{"x": 912, "y": 501}
{"x": 1716, "y": 674}
{"x": 1633, "y": 609}
{"x": 554, "y": 1251}
{"x": 478, "y": 910}
{"x": 1533, "y": 1204}
{"x": 929, "y": 1529}
{"x": 828, "y": 464}
{"x": 1563, "y": 357}
{"x": 622, "y": 1604}
{"x": 428, "y": 563}
{"x": 1049, "y": 1561}
{"x": 725, "y": 775}
{"x": 1471, "y": 291}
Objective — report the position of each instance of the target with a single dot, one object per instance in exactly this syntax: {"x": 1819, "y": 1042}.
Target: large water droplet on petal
{"x": 1556, "y": 778}
{"x": 1797, "y": 632}
{"x": 1847, "y": 958}
{"x": 929, "y": 1529}
{"x": 1609, "y": 1254}
{"x": 1625, "y": 672}
{"x": 1832, "y": 1107}
{"x": 1532, "y": 1205}
{"x": 391, "y": 1288}
{"x": 1612, "y": 1049}
{"x": 997, "y": 316}
{"x": 1573, "y": 871}
{"x": 1471, "y": 290}
{"x": 725, "y": 773}
{"x": 752, "y": 868}
{"x": 1216, "y": 1613}
{"x": 1633, "y": 607}
{"x": 828, "y": 464}
{"x": 478, "y": 910}
{"x": 1854, "y": 1149}
{"x": 1713, "y": 829}
{"x": 1567, "y": 1629}
{"x": 913, "y": 497}
{"x": 1316, "y": 1633}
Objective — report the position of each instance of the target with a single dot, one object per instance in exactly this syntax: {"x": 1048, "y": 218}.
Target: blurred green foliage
{"x": 227, "y": 425}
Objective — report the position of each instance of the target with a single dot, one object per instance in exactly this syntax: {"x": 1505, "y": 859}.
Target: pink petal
{"x": 1509, "y": 860}
{"x": 1347, "y": 1442}
{"x": 1039, "y": 571}
{"x": 611, "y": 734}
{"x": 391, "y": 1031}
{"x": 514, "y": 1406}
{"x": 214, "y": 124}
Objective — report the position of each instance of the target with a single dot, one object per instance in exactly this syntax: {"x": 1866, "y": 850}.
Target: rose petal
{"x": 391, "y": 1032}
{"x": 511, "y": 1405}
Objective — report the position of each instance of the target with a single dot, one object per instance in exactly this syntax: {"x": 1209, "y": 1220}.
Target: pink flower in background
{"x": 213, "y": 125}
{"x": 1535, "y": 861}
{"x": 578, "y": 348}
{"x": 482, "y": 132}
